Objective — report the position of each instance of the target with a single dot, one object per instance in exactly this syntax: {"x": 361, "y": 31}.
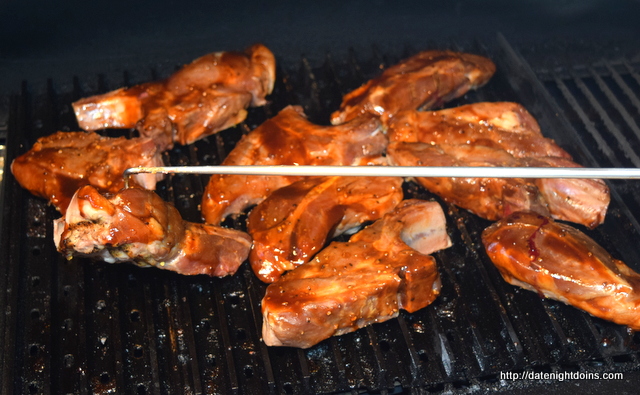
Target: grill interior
{"x": 81, "y": 326}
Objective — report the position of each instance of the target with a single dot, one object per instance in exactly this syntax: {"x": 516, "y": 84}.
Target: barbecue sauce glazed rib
{"x": 425, "y": 80}
{"x": 294, "y": 223}
{"x": 57, "y": 165}
{"x": 500, "y": 134}
{"x": 505, "y": 125}
{"x": 137, "y": 226}
{"x": 348, "y": 285}
{"x": 560, "y": 262}
{"x": 202, "y": 98}
{"x": 289, "y": 139}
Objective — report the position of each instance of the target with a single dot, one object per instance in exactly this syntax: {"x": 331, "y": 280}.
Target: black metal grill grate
{"x": 81, "y": 327}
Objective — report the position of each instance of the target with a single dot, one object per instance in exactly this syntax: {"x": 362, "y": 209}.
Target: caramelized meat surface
{"x": 57, "y": 165}
{"x": 289, "y": 139}
{"x": 490, "y": 198}
{"x": 504, "y": 125}
{"x": 348, "y": 285}
{"x": 423, "y": 81}
{"x": 495, "y": 134}
{"x": 294, "y": 223}
{"x": 137, "y": 226}
{"x": 562, "y": 263}
{"x": 204, "y": 97}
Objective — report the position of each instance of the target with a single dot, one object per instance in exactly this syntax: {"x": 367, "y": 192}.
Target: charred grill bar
{"x": 80, "y": 327}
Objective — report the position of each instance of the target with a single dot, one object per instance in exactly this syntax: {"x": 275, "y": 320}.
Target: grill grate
{"x": 79, "y": 327}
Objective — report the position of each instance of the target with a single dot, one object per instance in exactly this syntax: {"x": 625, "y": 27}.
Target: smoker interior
{"x": 79, "y": 326}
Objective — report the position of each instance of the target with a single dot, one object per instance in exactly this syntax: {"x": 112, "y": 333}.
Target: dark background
{"x": 59, "y": 39}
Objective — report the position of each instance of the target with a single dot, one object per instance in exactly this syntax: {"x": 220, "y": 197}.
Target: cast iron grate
{"x": 80, "y": 327}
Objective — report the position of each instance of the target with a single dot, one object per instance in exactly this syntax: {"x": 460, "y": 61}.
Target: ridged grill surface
{"x": 83, "y": 327}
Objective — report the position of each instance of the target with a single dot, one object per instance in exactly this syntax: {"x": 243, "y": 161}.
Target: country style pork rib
{"x": 348, "y": 285}
{"x": 137, "y": 226}
{"x": 489, "y": 198}
{"x": 289, "y": 139}
{"x": 293, "y": 223}
{"x": 494, "y": 134}
{"x": 204, "y": 97}
{"x": 560, "y": 262}
{"x": 425, "y": 80}
{"x": 57, "y": 165}
{"x": 505, "y": 125}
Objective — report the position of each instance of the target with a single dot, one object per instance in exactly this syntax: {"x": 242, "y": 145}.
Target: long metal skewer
{"x": 396, "y": 171}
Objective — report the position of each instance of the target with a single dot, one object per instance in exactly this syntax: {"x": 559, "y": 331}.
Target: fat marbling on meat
{"x": 136, "y": 225}
{"x": 204, "y": 97}
{"x": 562, "y": 263}
{"x": 381, "y": 269}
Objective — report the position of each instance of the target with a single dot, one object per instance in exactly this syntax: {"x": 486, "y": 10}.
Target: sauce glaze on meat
{"x": 137, "y": 226}
{"x": 289, "y": 139}
{"x": 494, "y": 134}
{"x": 383, "y": 268}
{"x": 425, "y": 80}
{"x": 560, "y": 262}
{"x": 293, "y": 223}
{"x": 204, "y": 97}
{"x": 57, "y": 165}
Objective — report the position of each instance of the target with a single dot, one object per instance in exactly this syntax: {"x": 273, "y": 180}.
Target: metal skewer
{"x": 396, "y": 171}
